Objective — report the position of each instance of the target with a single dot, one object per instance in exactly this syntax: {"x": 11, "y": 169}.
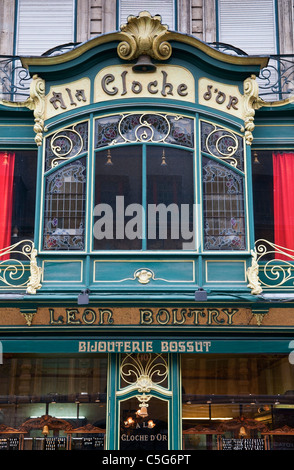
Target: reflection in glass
{"x": 170, "y": 196}
{"x": 237, "y": 401}
{"x": 66, "y": 393}
{"x": 118, "y": 185}
{"x": 144, "y": 433}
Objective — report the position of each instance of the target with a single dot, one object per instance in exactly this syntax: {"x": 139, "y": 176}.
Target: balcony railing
{"x": 276, "y": 81}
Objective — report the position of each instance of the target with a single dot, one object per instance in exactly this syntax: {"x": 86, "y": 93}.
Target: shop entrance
{"x": 147, "y": 401}
{"x": 143, "y": 402}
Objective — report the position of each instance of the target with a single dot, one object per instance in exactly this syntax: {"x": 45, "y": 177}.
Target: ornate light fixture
{"x": 109, "y": 159}
{"x": 163, "y": 159}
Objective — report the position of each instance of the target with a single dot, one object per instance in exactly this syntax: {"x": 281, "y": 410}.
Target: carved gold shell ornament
{"x": 144, "y": 35}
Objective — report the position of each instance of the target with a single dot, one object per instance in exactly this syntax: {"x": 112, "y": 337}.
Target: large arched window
{"x": 148, "y": 182}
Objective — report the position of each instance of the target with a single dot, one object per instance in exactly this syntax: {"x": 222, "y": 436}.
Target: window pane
{"x": 65, "y": 199}
{"x": 144, "y": 433}
{"x": 229, "y": 400}
{"x": 43, "y": 25}
{"x": 65, "y": 144}
{"x": 148, "y": 127}
{"x": 262, "y": 176}
{"x": 68, "y": 389}
{"x": 18, "y": 190}
{"x": 223, "y": 207}
{"x": 118, "y": 185}
{"x": 223, "y": 144}
{"x": 170, "y": 193}
{"x": 249, "y": 26}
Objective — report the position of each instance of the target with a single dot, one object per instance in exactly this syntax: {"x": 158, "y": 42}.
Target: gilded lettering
{"x": 71, "y": 316}
{"x": 196, "y": 313}
{"x": 59, "y": 321}
{"x": 146, "y": 317}
{"x": 163, "y": 316}
{"x": 212, "y": 316}
{"x": 109, "y": 314}
{"x": 89, "y": 316}
{"x": 182, "y": 318}
{"x": 230, "y": 314}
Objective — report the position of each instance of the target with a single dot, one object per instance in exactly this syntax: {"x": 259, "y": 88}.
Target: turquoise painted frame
{"x": 173, "y": 402}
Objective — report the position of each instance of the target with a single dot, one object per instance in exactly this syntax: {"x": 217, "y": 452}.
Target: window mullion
{"x": 144, "y": 197}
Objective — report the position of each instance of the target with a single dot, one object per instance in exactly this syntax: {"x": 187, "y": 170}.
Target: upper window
{"x": 164, "y": 8}
{"x": 37, "y": 19}
{"x": 148, "y": 184}
{"x": 273, "y": 189}
{"x": 249, "y": 25}
{"x": 17, "y": 193}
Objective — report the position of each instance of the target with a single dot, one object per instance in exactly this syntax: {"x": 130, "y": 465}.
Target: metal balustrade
{"x": 276, "y": 81}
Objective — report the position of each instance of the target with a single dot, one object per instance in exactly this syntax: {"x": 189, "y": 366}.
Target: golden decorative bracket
{"x": 253, "y": 275}
{"x": 35, "y": 102}
{"x": 144, "y": 35}
{"x": 36, "y": 273}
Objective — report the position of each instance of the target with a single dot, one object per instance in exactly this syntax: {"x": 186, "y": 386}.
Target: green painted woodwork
{"x": 166, "y": 271}
{"x": 174, "y": 273}
{"x": 57, "y": 271}
{"x": 225, "y": 271}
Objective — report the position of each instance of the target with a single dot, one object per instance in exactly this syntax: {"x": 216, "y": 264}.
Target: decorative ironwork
{"x": 144, "y": 372}
{"x": 253, "y": 275}
{"x": 66, "y": 144}
{"x": 13, "y": 270}
{"x": 61, "y": 49}
{"x": 14, "y": 79}
{"x": 148, "y": 127}
{"x": 276, "y": 81}
{"x": 222, "y": 144}
{"x": 277, "y": 268}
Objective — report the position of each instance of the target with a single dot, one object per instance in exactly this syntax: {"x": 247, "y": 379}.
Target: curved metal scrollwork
{"x": 144, "y": 375}
{"x": 278, "y": 267}
{"x": 13, "y": 267}
{"x": 146, "y": 127}
{"x": 223, "y": 144}
{"x": 65, "y": 144}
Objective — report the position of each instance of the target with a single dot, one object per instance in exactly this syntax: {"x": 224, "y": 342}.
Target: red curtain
{"x": 283, "y": 186}
{"x": 6, "y": 199}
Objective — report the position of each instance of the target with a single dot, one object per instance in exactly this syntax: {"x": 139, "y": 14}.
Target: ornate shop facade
{"x": 146, "y": 302}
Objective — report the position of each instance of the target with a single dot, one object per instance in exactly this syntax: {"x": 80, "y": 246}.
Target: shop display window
{"x": 53, "y": 403}
{"x": 233, "y": 402}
